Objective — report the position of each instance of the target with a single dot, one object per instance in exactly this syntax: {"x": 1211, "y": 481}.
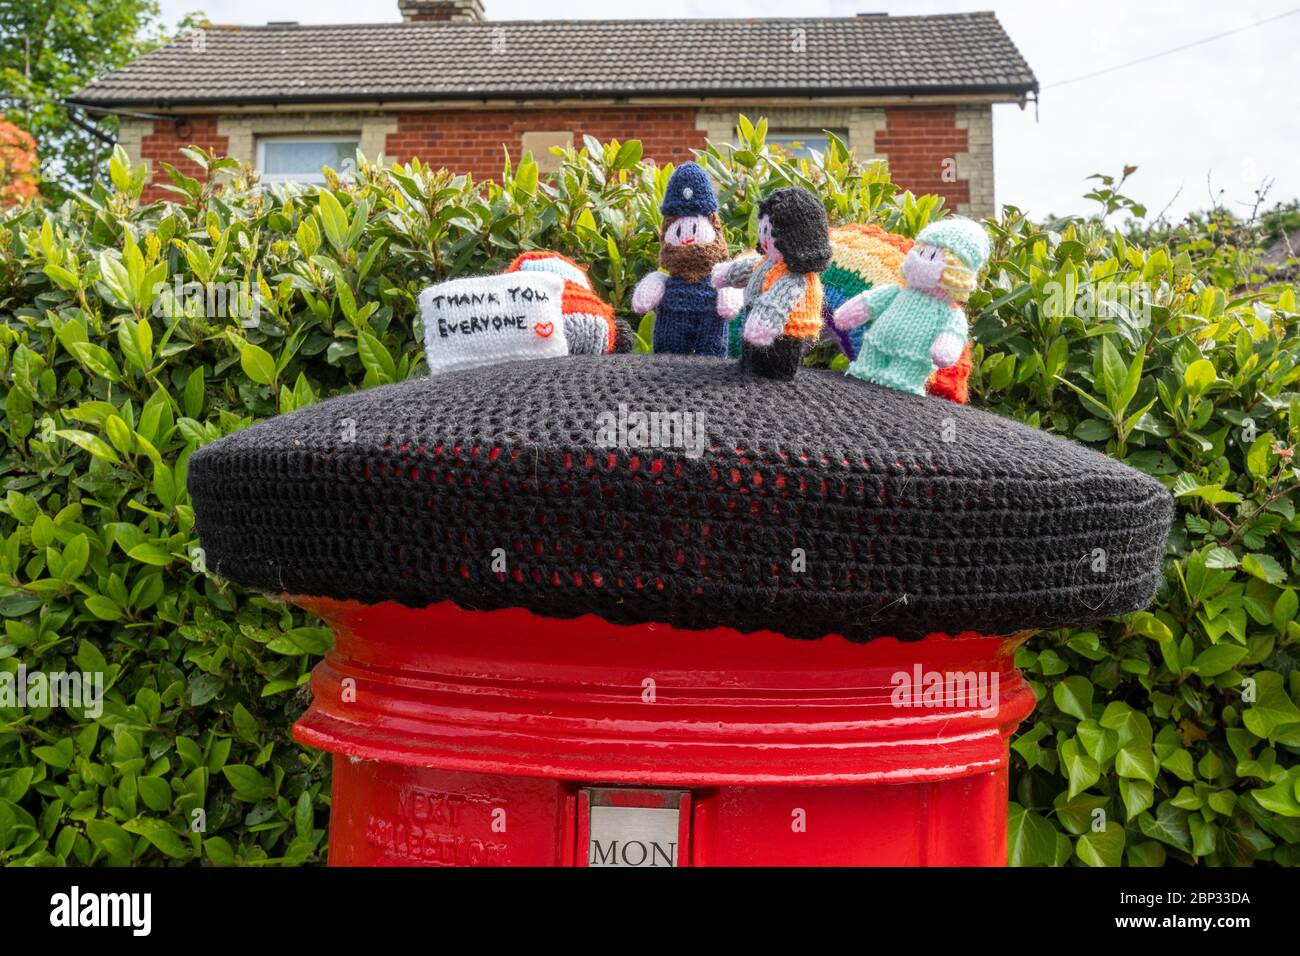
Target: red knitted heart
{"x": 544, "y": 329}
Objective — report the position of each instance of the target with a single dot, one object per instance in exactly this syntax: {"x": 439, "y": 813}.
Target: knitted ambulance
{"x": 589, "y": 321}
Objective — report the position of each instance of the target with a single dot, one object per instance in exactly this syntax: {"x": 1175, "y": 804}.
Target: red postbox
{"x": 491, "y": 738}
{"x": 790, "y": 643}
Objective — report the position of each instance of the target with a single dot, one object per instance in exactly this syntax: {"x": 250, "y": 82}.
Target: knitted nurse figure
{"x": 921, "y": 327}
{"x": 691, "y": 316}
{"x": 783, "y": 289}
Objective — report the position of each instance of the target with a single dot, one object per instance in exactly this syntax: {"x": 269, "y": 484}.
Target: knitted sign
{"x": 485, "y": 320}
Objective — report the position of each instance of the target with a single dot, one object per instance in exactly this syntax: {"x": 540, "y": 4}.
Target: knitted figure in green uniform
{"x": 921, "y": 327}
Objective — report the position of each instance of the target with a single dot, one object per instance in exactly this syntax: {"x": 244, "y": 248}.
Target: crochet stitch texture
{"x": 913, "y": 515}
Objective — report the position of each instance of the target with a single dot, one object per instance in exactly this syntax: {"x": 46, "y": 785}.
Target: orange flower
{"x": 17, "y": 165}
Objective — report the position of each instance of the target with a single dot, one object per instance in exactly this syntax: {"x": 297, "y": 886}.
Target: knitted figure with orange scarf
{"x": 864, "y": 257}
{"x": 783, "y": 289}
{"x": 921, "y": 327}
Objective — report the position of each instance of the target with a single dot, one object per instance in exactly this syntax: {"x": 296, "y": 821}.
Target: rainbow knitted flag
{"x": 862, "y": 257}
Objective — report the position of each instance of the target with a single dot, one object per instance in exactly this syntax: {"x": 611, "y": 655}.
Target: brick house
{"x": 452, "y": 88}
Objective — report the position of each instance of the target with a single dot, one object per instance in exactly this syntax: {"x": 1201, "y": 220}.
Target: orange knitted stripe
{"x": 871, "y": 253}
{"x": 580, "y": 301}
{"x": 859, "y": 236}
{"x": 805, "y": 319}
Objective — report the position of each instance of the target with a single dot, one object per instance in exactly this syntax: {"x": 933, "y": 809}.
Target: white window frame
{"x": 318, "y": 179}
{"x": 799, "y": 135}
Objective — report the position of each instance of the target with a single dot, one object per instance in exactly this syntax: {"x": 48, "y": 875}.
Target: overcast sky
{"x": 1225, "y": 109}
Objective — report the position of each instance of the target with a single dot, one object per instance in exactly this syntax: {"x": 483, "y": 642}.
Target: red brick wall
{"x": 469, "y": 141}
{"x": 164, "y": 145}
{"x": 917, "y": 141}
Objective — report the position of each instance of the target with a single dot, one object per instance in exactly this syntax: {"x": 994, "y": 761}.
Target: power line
{"x": 1177, "y": 49}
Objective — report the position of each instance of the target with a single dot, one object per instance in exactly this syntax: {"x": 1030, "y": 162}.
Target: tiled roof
{"x": 854, "y": 56}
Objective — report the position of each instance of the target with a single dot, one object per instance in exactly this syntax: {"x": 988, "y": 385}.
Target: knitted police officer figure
{"x": 691, "y": 316}
{"x": 922, "y": 327}
{"x": 783, "y": 289}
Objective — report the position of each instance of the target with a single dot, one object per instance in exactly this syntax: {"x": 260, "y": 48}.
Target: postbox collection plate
{"x": 633, "y": 826}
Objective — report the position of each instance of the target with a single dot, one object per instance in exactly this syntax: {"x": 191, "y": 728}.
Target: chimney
{"x": 423, "y": 11}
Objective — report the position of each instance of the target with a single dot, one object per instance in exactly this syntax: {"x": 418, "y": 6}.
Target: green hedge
{"x": 1168, "y": 735}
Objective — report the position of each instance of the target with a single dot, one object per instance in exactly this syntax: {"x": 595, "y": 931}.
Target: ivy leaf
{"x": 1148, "y": 853}
{"x": 1273, "y": 710}
{"x": 1082, "y": 771}
{"x": 1073, "y": 695}
{"x": 1101, "y": 743}
{"x": 1138, "y": 795}
{"x": 1137, "y": 762}
{"x": 1031, "y": 839}
{"x": 1105, "y": 848}
{"x": 1168, "y": 825}
{"x": 1281, "y": 797}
